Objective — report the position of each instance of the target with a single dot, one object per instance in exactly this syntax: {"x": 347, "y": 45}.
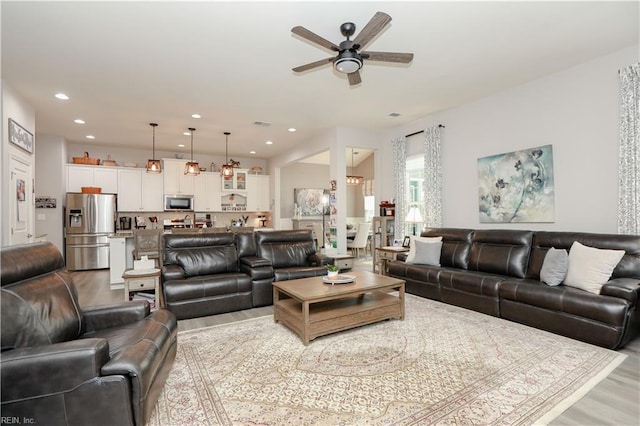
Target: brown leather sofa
{"x": 212, "y": 273}
{"x": 497, "y": 272}
{"x": 66, "y": 365}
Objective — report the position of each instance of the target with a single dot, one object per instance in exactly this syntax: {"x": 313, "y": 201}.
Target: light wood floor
{"x": 614, "y": 401}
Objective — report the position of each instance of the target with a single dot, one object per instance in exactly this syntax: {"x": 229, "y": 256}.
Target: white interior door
{"x": 21, "y": 201}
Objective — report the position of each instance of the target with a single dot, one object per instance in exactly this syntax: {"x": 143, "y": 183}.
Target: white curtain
{"x": 432, "y": 188}
{"x": 367, "y": 188}
{"x": 629, "y": 161}
{"x": 399, "y": 177}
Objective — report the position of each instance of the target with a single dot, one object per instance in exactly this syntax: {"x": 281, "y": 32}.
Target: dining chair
{"x": 361, "y": 239}
{"x": 148, "y": 242}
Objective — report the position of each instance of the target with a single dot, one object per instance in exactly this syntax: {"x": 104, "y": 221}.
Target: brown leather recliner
{"x": 66, "y": 365}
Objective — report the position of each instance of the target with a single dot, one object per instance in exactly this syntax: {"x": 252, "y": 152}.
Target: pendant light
{"x": 153, "y": 165}
{"x": 353, "y": 180}
{"x": 227, "y": 169}
{"x": 192, "y": 168}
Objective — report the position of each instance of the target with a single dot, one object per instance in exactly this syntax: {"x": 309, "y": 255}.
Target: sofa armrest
{"x": 318, "y": 259}
{"x": 45, "y": 370}
{"x": 257, "y": 268}
{"x": 624, "y": 288}
{"x": 172, "y": 272}
{"x": 99, "y": 317}
{"x": 402, "y": 257}
{"x": 254, "y": 261}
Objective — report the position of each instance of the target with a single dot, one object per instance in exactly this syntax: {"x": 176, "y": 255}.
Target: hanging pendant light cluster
{"x": 153, "y": 165}
{"x": 192, "y": 168}
{"x": 353, "y": 180}
{"x": 227, "y": 169}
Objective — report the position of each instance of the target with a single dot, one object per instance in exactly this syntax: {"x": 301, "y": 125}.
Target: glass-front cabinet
{"x": 236, "y": 183}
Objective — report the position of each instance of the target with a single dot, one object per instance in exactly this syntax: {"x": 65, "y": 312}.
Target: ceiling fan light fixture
{"x": 226, "y": 169}
{"x": 348, "y": 62}
{"x": 153, "y": 165}
{"x": 192, "y": 168}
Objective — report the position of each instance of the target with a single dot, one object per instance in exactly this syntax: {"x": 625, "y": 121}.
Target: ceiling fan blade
{"x": 354, "y": 78}
{"x": 403, "y": 58}
{"x": 314, "y": 38}
{"x": 312, "y": 65}
{"x": 373, "y": 27}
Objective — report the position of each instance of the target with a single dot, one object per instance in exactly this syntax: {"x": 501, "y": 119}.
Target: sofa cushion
{"x": 207, "y": 286}
{"x": 285, "y": 274}
{"x": 590, "y": 268}
{"x": 426, "y": 253}
{"x": 286, "y": 249}
{"x": 208, "y": 260}
{"x": 554, "y": 267}
{"x": 504, "y": 252}
{"x": 413, "y": 245}
{"x": 456, "y": 244}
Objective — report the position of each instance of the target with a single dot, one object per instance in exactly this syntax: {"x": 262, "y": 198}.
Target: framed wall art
{"x": 517, "y": 186}
{"x": 309, "y": 201}
{"x": 20, "y": 137}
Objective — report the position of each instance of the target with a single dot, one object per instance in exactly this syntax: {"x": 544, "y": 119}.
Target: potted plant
{"x": 332, "y": 271}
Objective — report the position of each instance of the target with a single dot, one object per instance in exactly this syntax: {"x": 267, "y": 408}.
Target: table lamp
{"x": 414, "y": 217}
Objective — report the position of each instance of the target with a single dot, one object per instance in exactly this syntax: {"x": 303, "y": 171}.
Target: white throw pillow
{"x": 412, "y": 246}
{"x": 427, "y": 253}
{"x": 554, "y": 266}
{"x": 590, "y": 268}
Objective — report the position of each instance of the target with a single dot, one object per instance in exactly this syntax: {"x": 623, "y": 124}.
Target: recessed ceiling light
{"x": 252, "y": 152}
{"x": 90, "y": 137}
{"x": 62, "y": 96}
{"x": 291, "y": 129}
{"x": 269, "y": 143}
{"x": 393, "y": 114}
{"x": 181, "y": 145}
{"x": 196, "y": 116}
{"x": 78, "y": 121}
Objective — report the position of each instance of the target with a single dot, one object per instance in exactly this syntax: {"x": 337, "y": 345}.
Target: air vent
{"x": 262, "y": 123}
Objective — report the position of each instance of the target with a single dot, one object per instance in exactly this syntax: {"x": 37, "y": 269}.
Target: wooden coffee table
{"x": 315, "y": 309}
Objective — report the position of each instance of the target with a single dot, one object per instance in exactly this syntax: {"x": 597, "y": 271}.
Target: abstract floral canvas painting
{"x": 517, "y": 186}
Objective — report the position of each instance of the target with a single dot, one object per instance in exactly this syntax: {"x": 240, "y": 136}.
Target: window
{"x": 369, "y": 208}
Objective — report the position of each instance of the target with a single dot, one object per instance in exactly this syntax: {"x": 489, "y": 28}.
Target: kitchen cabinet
{"x": 79, "y": 175}
{"x": 175, "y": 181}
{"x": 139, "y": 191}
{"x": 258, "y": 194}
{"x": 206, "y": 192}
{"x": 237, "y": 183}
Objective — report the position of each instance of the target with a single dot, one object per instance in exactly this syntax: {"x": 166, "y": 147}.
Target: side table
{"x": 143, "y": 279}
{"x": 384, "y": 256}
{"x": 344, "y": 261}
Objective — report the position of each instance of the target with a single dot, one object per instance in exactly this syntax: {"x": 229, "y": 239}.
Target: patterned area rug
{"x": 441, "y": 365}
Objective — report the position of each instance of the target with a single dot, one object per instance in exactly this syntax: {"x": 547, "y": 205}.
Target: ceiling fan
{"x": 350, "y": 58}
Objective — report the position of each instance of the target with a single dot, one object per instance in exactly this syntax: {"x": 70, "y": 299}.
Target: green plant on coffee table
{"x": 333, "y": 268}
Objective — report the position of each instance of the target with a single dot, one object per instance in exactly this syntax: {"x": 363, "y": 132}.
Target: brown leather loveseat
{"x": 209, "y": 273}
{"x": 66, "y": 365}
{"x": 498, "y": 272}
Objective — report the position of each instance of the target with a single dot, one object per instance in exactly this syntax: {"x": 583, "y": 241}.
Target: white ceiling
{"x": 125, "y": 64}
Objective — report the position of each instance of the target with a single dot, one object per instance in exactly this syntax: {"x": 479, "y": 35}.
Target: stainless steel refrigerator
{"x": 89, "y": 221}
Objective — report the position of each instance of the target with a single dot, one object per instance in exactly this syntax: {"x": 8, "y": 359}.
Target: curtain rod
{"x": 422, "y": 131}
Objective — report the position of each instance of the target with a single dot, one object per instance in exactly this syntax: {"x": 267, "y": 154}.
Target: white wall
{"x": 14, "y": 107}
{"x": 50, "y": 181}
{"x": 576, "y": 111}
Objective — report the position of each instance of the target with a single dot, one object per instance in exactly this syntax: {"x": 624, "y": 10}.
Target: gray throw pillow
{"x": 427, "y": 253}
{"x": 554, "y": 267}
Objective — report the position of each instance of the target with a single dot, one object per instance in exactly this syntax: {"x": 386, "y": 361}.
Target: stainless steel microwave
{"x": 178, "y": 203}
